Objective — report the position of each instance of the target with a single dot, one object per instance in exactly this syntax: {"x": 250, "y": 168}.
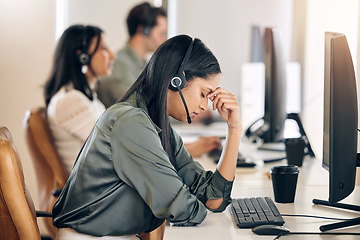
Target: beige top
{"x": 72, "y": 115}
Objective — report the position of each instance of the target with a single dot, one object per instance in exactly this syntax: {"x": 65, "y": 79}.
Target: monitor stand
{"x": 345, "y": 223}
{"x": 267, "y": 148}
{"x": 296, "y": 118}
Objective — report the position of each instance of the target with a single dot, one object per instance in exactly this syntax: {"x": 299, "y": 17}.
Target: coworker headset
{"x": 148, "y": 22}
{"x": 83, "y": 56}
{"x": 178, "y": 81}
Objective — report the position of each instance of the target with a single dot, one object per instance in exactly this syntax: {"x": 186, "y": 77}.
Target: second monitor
{"x": 270, "y": 128}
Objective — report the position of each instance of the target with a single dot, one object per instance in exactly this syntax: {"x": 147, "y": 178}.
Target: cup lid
{"x": 284, "y": 169}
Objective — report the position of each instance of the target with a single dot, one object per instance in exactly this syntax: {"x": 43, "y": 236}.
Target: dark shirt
{"x": 123, "y": 182}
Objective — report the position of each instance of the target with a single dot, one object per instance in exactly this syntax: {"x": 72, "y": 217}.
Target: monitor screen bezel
{"x": 340, "y": 117}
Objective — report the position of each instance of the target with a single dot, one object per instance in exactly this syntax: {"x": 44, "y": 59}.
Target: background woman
{"x": 82, "y": 56}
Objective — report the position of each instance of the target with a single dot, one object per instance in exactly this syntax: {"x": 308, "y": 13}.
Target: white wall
{"x": 323, "y": 15}
{"x": 225, "y": 27}
{"x": 110, "y": 15}
{"x": 26, "y": 46}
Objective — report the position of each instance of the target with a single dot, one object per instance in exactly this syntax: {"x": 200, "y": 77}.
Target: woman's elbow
{"x": 214, "y": 203}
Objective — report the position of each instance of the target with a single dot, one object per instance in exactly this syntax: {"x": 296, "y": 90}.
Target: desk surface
{"x": 222, "y": 226}
{"x": 256, "y": 182}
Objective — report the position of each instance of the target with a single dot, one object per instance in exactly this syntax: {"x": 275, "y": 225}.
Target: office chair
{"x": 157, "y": 234}
{"x": 17, "y": 212}
{"x": 50, "y": 172}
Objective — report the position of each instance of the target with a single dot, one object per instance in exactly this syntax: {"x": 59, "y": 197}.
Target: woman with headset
{"x": 82, "y": 56}
{"x": 133, "y": 171}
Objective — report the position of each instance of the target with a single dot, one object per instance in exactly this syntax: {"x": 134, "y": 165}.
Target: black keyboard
{"x": 252, "y": 212}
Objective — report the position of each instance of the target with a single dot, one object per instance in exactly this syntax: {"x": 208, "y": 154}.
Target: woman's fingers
{"x": 223, "y": 101}
{"x": 227, "y": 105}
{"x": 220, "y": 97}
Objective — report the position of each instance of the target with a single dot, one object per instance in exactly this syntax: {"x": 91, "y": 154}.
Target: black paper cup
{"x": 284, "y": 181}
{"x": 294, "y": 148}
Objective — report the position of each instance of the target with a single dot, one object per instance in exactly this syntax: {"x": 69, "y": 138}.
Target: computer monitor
{"x": 257, "y": 52}
{"x": 340, "y": 125}
{"x": 270, "y": 128}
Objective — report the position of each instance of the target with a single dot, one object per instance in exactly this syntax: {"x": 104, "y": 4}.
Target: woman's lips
{"x": 194, "y": 115}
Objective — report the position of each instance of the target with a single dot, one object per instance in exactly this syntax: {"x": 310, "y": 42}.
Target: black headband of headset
{"x": 186, "y": 58}
{"x": 85, "y": 44}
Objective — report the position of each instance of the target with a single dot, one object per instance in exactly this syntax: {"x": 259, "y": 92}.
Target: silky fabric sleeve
{"x": 205, "y": 185}
{"x": 141, "y": 162}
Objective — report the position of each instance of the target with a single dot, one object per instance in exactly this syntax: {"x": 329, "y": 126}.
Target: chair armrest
{"x": 43, "y": 214}
{"x": 57, "y": 192}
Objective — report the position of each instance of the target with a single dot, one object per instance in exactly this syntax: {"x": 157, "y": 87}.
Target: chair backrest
{"x": 50, "y": 171}
{"x": 17, "y": 212}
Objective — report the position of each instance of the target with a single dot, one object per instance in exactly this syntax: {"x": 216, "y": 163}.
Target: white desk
{"x": 255, "y": 182}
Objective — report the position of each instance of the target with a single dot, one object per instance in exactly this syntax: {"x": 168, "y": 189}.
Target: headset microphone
{"x": 173, "y": 83}
{"x": 179, "y": 80}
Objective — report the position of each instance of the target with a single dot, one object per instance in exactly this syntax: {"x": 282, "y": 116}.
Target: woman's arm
{"x": 203, "y": 145}
{"x": 228, "y": 108}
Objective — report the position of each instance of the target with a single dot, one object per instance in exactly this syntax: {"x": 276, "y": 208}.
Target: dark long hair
{"x": 153, "y": 83}
{"x": 66, "y": 66}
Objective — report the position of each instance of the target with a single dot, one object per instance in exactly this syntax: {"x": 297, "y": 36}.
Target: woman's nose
{"x": 112, "y": 55}
{"x": 204, "y": 105}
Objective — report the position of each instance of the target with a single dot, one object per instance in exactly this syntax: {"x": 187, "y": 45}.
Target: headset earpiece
{"x": 84, "y": 58}
{"x": 146, "y": 30}
{"x": 177, "y": 81}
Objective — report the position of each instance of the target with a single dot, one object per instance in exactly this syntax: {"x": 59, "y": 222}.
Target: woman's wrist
{"x": 236, "y": 128}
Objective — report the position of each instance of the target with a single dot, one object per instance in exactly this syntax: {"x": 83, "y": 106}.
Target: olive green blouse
{"x": 123, "y": 182}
